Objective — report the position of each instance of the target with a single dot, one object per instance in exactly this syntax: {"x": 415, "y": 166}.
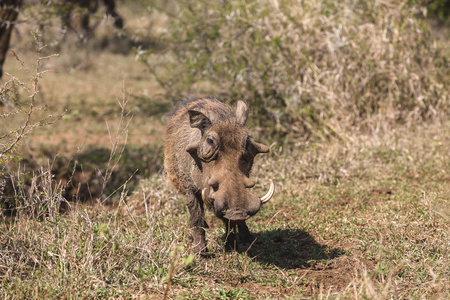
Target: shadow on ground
{"x": 290, "y": 249}
{"x": 313, "y": 267}
{"x": 94, "y": 173}
{"x": 89, "y": 175}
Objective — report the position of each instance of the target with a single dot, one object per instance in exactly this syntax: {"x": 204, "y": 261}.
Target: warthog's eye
{"x": 209, "y": 148}
{"x": 214, "y": 184}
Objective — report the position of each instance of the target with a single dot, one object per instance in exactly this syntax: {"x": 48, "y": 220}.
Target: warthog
{"x": 208, "y": 157}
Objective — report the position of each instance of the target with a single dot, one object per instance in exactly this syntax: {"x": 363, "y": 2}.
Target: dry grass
{"x": 311, "y": 67}
{"x": 367, "y": 218}
{"x": 361, "y": 214}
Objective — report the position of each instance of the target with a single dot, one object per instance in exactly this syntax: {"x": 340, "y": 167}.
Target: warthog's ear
{"x": 256, "y": 148}
{"x": 261, "y": 148}
{"x": 199, "y": 120}
{"x": 242, "y": 112}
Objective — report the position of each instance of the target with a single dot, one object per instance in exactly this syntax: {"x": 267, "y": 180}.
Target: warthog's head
{"x": 225, "y": 156}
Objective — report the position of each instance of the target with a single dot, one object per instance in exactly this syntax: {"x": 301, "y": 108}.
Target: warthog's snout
{"x": 238, "y": 214}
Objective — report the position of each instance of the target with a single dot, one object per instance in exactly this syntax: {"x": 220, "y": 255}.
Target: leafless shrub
{"x": 24, "y": 110}
{"x": 22, "y": 113}
{"x": 38, "y": 192}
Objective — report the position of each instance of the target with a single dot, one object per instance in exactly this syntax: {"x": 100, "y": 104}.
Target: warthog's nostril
{"x": 236, "y": 215}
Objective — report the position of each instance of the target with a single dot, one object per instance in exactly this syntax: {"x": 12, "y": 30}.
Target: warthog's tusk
{"x": 205, "y": 197}
{"x": 269, "y": 194}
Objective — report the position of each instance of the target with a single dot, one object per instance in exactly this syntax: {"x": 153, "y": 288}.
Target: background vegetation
{"x": 352, "y": 96}
{"x": 314, "y": 65}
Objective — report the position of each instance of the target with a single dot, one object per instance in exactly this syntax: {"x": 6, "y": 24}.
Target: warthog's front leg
{"x": 236, "y": 232}
{"x": 197, "y": 221}
{"x": 230, "y": 236}
{"x": 245, "y": 237}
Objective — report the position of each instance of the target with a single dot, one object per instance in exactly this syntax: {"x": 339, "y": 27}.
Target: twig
{"x": 171, "y": 271}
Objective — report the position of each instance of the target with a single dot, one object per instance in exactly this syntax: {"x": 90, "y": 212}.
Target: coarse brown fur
{"x": 208, "y": 148}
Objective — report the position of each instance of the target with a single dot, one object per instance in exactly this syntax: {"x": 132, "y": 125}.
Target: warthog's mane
{"x": 189, "y": 100}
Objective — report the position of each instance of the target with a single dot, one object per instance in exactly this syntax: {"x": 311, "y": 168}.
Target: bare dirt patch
{"x": 260, "y": 289}
{"x": 334, "y": 275}
{"x": 317, "y": 277}
{"x": 310, "y": 265}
